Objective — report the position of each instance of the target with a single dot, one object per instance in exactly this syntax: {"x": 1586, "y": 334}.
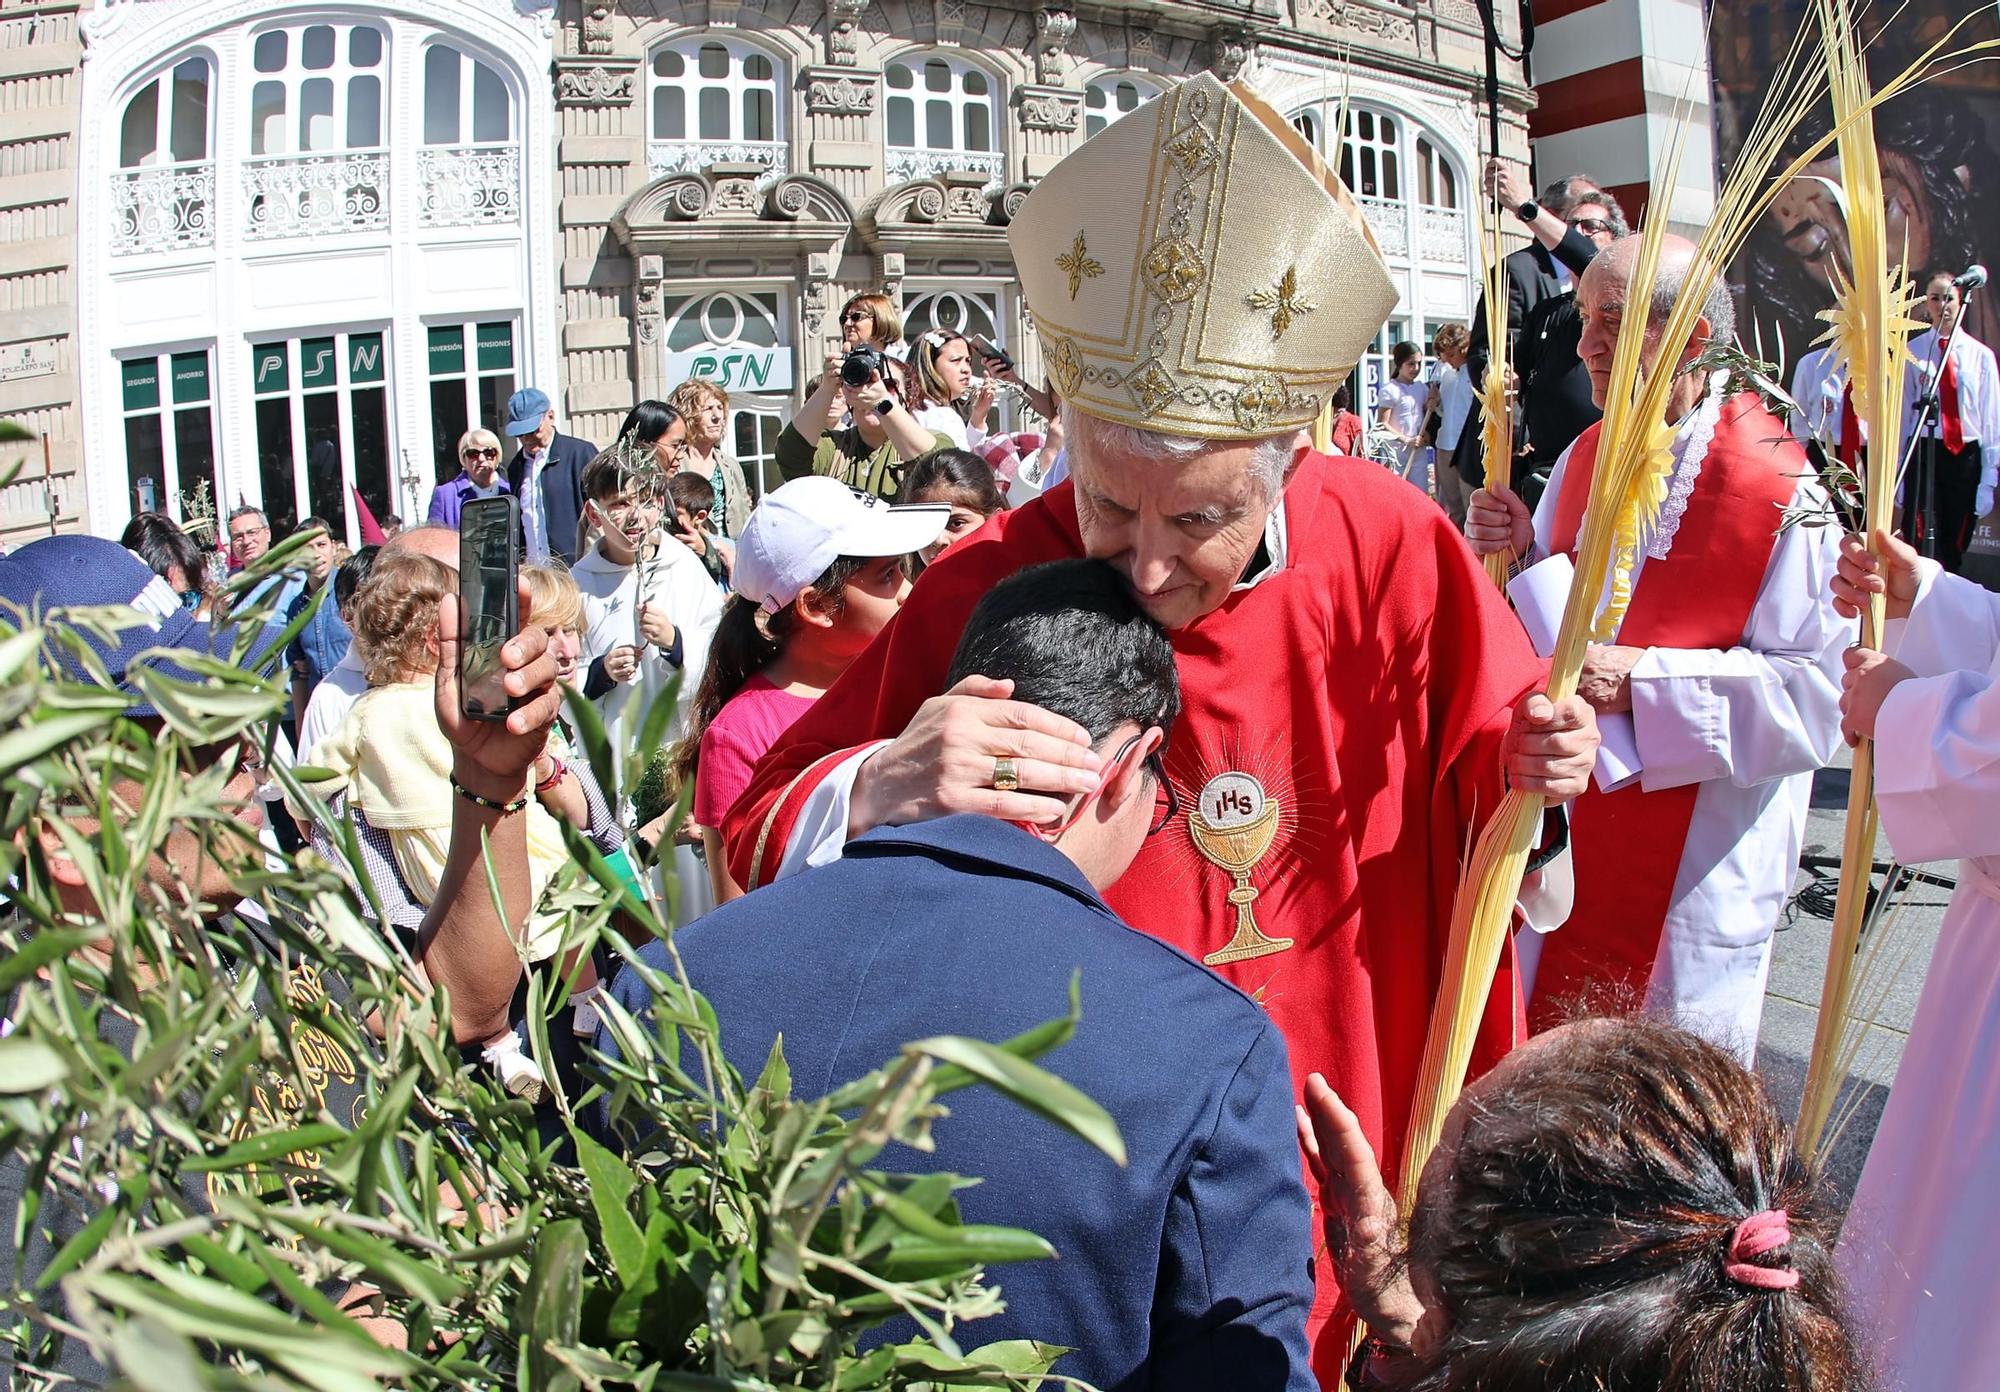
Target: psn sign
{"x": 737, "y": 367}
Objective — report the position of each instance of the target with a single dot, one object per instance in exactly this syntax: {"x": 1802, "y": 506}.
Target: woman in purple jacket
{"x": 479, "y": 459}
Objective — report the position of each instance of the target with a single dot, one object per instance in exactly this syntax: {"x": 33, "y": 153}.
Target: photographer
{"x": 870, "y": 453}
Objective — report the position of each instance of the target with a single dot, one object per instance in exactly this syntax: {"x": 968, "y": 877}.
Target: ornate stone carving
{"x": 594, "y": 33}
{"x": 597, "y": 85}
{"x": 1231, "y": 47}
{"x": 956, "y": 198}
{"x": 843, "y": 31}
{"x": 1055, "y": 26}
{"x": 1392, "y": 23}
{"x": 646, "y": 300}
{"x": 950, "y": 19}
{"x": 904, "y": 165}
{"x": 1059, "y": 112}
{"x": 840, "y": 96}
{"x": 772, "y": 158}
{"x": 733, "y": 191}
{"x": 1138, "y": 44}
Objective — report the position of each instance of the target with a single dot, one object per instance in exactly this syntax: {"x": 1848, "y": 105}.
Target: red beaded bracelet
{"x": 557, "y": 772}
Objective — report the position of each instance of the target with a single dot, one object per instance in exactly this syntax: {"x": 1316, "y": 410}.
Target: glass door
{"x": 322, "y": 413}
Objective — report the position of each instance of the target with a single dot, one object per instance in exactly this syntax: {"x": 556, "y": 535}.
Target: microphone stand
{"x": 1928, "y": 409}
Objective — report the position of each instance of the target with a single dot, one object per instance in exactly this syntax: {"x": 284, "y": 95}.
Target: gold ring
{"x": 1006, "y": 778}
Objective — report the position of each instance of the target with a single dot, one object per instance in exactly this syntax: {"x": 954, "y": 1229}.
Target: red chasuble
{"x": 1626, "y": 846}
{"x": 1338, "y": 747}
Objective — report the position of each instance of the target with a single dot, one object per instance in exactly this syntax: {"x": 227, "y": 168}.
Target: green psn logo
{"x": 755, "y": 368}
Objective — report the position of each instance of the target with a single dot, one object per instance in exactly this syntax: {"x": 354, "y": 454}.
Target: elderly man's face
{"x": 1600, "y": 303}
{"x": 249, "y": 537}
{"x": 1182, "y": 531}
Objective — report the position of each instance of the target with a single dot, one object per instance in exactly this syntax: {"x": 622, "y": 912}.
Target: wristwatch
{"x": 1528, "y": 211}
{"x": 885, "y": 406}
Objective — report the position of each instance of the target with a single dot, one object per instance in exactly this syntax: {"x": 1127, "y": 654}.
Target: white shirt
{"x": 1406, "y": 401}
{"x": 335, "y": 695}
{"x": 1978, "y": 392}
{"x": 534, "y": 524}
{"x": 946, "y": 421}
{"x": 1454, "y": 406}
{"x": 678, "y": 583}
{"x": 1749, "y": 724}
{"x": 1817, "y": 387}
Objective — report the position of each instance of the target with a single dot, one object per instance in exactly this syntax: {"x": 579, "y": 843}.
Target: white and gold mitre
{"x": 1196, "y": 268}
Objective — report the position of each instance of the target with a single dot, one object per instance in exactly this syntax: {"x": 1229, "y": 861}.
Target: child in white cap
{"x": 819, "y": 572}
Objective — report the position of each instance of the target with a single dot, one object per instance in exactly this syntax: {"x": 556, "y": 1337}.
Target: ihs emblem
{"x": 1233, "y": 824}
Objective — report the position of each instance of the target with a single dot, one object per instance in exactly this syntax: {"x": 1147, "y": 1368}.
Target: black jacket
{"x": 562, "y": 490}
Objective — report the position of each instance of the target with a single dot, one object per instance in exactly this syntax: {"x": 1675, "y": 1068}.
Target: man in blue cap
{"x": 547, "y": 476}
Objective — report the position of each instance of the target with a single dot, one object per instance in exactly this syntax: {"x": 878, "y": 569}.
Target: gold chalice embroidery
{"x": 1233, "y": 824}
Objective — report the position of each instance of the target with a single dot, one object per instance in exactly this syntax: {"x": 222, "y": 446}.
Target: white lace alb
{"x": 1698, "y": 434}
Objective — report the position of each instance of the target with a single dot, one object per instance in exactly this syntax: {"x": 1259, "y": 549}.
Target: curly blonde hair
{"x": 553, "y": 594}
{"x": 396, "y": 615}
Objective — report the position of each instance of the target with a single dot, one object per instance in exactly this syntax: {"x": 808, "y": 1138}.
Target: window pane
{"x": 267, "y": 118}
{"x": 364, "y": 49}
{"x": 978, "y": 132}
{"x": 489, "y": 104}
{"x": 194, "y": 452}
{"x": 145, "y": 464}
{"x": 496, "y": 346}
{"x": 757, "y": 68}
{"x": 325, "y": 494}
{"x": 316, "y": 48}
{"x": 759, "y": 115}
{"x": 1093, "y": 97}
{"x": 447, "y": 424}
{"x": 1092, "y": 124}
{"x": 139, "y": 137}
{"x": 371, "y": 450}
{"x": 937, "y": 126}
{"x": 902, "y": 122}
{"x": 937, "y": 77}
{"x": 975, "y": 82}
{"x": 668, "y": 63}
{"x": 669, "y": 114}
{"x": 441, "y": 68}
{"x": 715, "y": 113}
{"x": 900, "y": 77}
{"x": 1128, "y": 97}
{"x": 447, "y": 351}
{"x": 492, "y": 397}
{"x": 1447, "y": 186}
{"x": 190, "y": 126}
{"x": 1392, "y": 186}
{"x": 364, "y": 112}
{"x": 269, "y": 55}
{"x": 713, "y": 61}
{"x": 274, "y": 462}
{"x": 316, "y": 114}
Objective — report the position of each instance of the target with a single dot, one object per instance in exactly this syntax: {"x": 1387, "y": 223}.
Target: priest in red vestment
{"x": 1718, "y": 696}
{"x": 1355, "y": 690}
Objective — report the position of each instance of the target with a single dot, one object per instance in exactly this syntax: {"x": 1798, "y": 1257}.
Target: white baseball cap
{"x": 803, "y": 527}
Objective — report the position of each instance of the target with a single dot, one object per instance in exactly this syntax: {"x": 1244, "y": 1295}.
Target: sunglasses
{"x": 855, "y": 316}
{"x": 1590, "y": 227}
{"x": 478, "y": 453}
{"x": 249, "y": 751}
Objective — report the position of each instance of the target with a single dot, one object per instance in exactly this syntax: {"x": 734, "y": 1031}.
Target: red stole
{"x": 1626, "y": 846}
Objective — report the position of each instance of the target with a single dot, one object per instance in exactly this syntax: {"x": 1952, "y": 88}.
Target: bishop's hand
{"x": 946, "y": 761}
{"x": 1551, "y": 747}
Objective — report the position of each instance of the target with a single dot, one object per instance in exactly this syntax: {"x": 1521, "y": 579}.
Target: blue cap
{"x": 525, "y": 409}
{"x": 83, "y": 571}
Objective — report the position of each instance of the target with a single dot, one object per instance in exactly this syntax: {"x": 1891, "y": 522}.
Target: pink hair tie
{"x": 1754, "y": 1236}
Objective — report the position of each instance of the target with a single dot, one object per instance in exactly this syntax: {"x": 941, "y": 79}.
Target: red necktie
{"x": 1954, "y": 427}
{"x": 1849, "y": 448}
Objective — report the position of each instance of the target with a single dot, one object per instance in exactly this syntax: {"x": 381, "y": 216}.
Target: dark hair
{"x": 743, "y": 646}
{"x": 691, "y": 492}
{"x": 1578, "y": 1232}
{"x": 924, "y": 385}
{"x": 159, "y": 540}
{"x": 1343, "y": 397}
{"x": 647, "y": 422}
{"x": 1936, "y": 273}
{"x": 306, "y": 524}
{"x": 352, "y": 572}
{"x": 954, "y": 476}
{"x": 1072, "y": 637}
{"x": 618, "y": 465}
{"x": 1404, "y": 351}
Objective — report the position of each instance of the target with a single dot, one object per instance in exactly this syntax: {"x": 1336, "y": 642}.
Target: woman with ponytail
{"x": 942, "y": 394}
{"x": 819, "y": 572}
{"x": 1615, "y": 1207}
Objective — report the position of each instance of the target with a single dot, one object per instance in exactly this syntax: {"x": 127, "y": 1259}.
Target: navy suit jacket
{"x": 1188, "y": 1269}
{"x": 562, "y": 490}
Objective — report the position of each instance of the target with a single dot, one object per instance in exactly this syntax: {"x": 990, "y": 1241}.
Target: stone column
{"x": 1051, "y": 120}
{"x": 844, "y": 129}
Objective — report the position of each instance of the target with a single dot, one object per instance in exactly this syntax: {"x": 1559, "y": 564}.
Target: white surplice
{"x": 1749, "y": 724}
{"x": 1918, "y": 1250}
{"x": 1818, "y": 383}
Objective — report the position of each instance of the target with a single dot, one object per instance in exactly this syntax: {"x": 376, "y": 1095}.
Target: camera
{"x": 863, "y": 362}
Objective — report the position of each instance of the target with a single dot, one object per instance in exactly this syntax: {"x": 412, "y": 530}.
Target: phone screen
{"x": 488, "y": 567}
{"x": 990, "y": 353}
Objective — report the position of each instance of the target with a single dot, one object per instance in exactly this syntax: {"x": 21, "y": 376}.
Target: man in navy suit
{"x": 1188, "y": 1268}
{"x": 547, "y": 476}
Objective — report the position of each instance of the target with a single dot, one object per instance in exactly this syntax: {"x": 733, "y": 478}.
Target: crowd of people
{"x": 1161, "y": 695}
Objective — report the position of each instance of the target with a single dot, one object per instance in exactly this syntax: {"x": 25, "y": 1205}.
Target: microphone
{"x": 1974, "y": 277}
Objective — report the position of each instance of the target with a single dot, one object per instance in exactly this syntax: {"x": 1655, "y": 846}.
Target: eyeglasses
{"x": 247, "y": 532}
{"x": 1590, "y": 227}
{"x": 478, "y": 453}
{"x": 1154, "y": 766}
{"x": 1172, "y": 800}
{"x": 855, "y": 316}
{"x": 250, "y": 757}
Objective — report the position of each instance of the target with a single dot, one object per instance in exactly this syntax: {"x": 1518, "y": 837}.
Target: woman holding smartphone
{"x": 943, "y": 394}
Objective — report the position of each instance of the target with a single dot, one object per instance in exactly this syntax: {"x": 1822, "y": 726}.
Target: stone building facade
{"x": 304, "y": 245}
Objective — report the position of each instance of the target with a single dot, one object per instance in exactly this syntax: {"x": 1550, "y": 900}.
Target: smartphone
{"x": 489, "y": 568}
{"x": 989, "y": 352}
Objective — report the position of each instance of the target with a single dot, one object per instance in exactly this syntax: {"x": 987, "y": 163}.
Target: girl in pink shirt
{"x": 819, "y": 572}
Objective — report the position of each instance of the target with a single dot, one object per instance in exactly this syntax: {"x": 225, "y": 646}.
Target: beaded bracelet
{"x": 488, "y": 803}
{"x": 558, "y": 770}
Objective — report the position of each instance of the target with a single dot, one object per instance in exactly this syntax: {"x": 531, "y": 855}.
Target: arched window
{"x": 1437, "y": 182}
{"x": 711, "y": 100}
{"x": 1411, "y": 190}
{"x": 469, "y": 169}
{"x": 163, "y": 194}
{"x": 943, "y": 114}
{"x": 1371, "y": 157}
{"x": 1113, "y": 95}
{"x": 318, "y": 133}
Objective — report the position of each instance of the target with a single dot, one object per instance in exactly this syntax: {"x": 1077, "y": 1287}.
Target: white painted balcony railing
{"x": 1389, "y": 220}
{"x": 312, "y": 195}
{"x": 693, "y": 156}
{"x": 1444, "y": 236}
{"x": 905, "y": 165}
{"x": 468, "y": 185}
{"x": 166, "y": 207}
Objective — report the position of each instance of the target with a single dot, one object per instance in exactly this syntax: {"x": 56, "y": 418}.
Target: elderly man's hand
{"x": 1497, "y": 521}
{"x": 1606, "y": 679}
{"x": 492, "y": 757}
{"x": 1360, "y": 1216}
{"x": 1551, "y": 748}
